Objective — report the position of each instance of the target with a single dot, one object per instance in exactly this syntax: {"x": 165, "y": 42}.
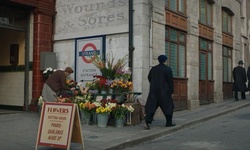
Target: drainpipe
{"x": 26, "y": 72}
{"x": 131, "y": 39}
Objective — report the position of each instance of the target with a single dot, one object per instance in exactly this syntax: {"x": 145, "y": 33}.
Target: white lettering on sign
{"x": 88, "y": 15}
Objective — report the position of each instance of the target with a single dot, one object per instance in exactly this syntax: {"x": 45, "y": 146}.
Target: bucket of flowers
{"x": 120, "y": 112}
{"x": 103, "y": 111}
{"x": 87, "y": 109}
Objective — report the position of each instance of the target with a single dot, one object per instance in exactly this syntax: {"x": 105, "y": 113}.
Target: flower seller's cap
{"x": 162, "y": 58}
{"x": 69, "y": 70}
{"x": 240, "y": 62}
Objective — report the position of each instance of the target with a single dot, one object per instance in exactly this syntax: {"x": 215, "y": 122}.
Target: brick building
{"x": 204, "y": 40}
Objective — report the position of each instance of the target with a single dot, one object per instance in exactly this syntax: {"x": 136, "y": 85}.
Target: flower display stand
{"x": 110, "y": 91}
{"x": 120, "y": 98}
{"x": 103, "y": 92}
{"x": 102, "y": 120}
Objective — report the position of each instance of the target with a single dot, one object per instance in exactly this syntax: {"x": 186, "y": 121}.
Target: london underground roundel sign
{"x": 85, "y": 53}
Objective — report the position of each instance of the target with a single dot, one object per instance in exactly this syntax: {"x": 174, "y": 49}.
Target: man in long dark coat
{"x": 160, "y": 93}
{"x": 240, "y": 79}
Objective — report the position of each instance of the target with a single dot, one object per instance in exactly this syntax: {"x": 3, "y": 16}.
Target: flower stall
{"x": 108, "y": 98}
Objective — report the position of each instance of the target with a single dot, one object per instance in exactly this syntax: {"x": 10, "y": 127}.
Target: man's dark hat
{"x": 162, "y": 58}
{"x": 240, "y": 62}
{"x": 69, "y": 70}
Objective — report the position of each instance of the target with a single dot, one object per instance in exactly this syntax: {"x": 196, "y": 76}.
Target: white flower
{"x": 40, "y": 100}
{"x": 111, "y": 105}
{"x": 45, "y": 71}
{"x": 97, "y": 104}
{"x": 130, "y": 108}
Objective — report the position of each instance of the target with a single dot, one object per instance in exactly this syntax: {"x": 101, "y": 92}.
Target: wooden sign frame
{"x": 59, "y": 125}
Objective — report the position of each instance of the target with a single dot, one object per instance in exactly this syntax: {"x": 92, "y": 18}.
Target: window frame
{"x": 177, "y": 7}
{"x": 227, "y": 56}
{"x": 207, "y": 3}
{"x": 178, "y": 43}
{"x": 228, "y": 23}
{"x": 206, "y": 51}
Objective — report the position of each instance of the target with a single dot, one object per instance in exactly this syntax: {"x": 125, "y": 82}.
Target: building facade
{"x": 203, "y": 39}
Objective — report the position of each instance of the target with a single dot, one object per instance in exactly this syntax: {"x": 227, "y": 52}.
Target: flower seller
{"x": 55, "y": 85}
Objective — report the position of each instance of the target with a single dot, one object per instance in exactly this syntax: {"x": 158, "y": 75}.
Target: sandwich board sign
{"x": 59, "y": 125}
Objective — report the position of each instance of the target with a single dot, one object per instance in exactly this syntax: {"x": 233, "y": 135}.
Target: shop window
{"x": 175, "y": 49}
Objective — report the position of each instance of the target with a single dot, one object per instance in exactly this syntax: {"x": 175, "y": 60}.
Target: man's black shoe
{"x": 236, "y": 99}
{"x": 170, "y": 124}
{"x": 146, "y": 126}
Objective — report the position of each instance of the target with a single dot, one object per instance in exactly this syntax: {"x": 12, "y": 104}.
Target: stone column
{"x": 193, "y": 55}
{"x": 217, "y": 56}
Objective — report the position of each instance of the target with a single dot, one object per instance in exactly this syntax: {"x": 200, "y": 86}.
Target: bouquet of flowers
{"x": 92, "y": 85}
{"x": 121, "y": 85}
{"x": 106, "y": 106}
{"x": 83, "y": 98}
{"x": 87, "y": 107}
{"x": 108, "y": 67}
{"x": 123, "y": 73}
{"x": 120, "y": 111}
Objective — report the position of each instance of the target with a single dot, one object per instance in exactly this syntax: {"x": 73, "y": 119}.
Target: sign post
{"x": 59, "y": 125}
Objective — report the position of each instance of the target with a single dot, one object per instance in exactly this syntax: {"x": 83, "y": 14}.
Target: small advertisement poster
{"x": 86, "y": 50}
{"x": 56, "y": 123}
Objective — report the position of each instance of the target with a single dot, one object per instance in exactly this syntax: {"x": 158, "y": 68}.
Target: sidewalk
{"x": 19, "y": 131}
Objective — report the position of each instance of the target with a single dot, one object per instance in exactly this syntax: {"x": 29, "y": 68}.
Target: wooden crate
{"x": 135, "y": 117}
